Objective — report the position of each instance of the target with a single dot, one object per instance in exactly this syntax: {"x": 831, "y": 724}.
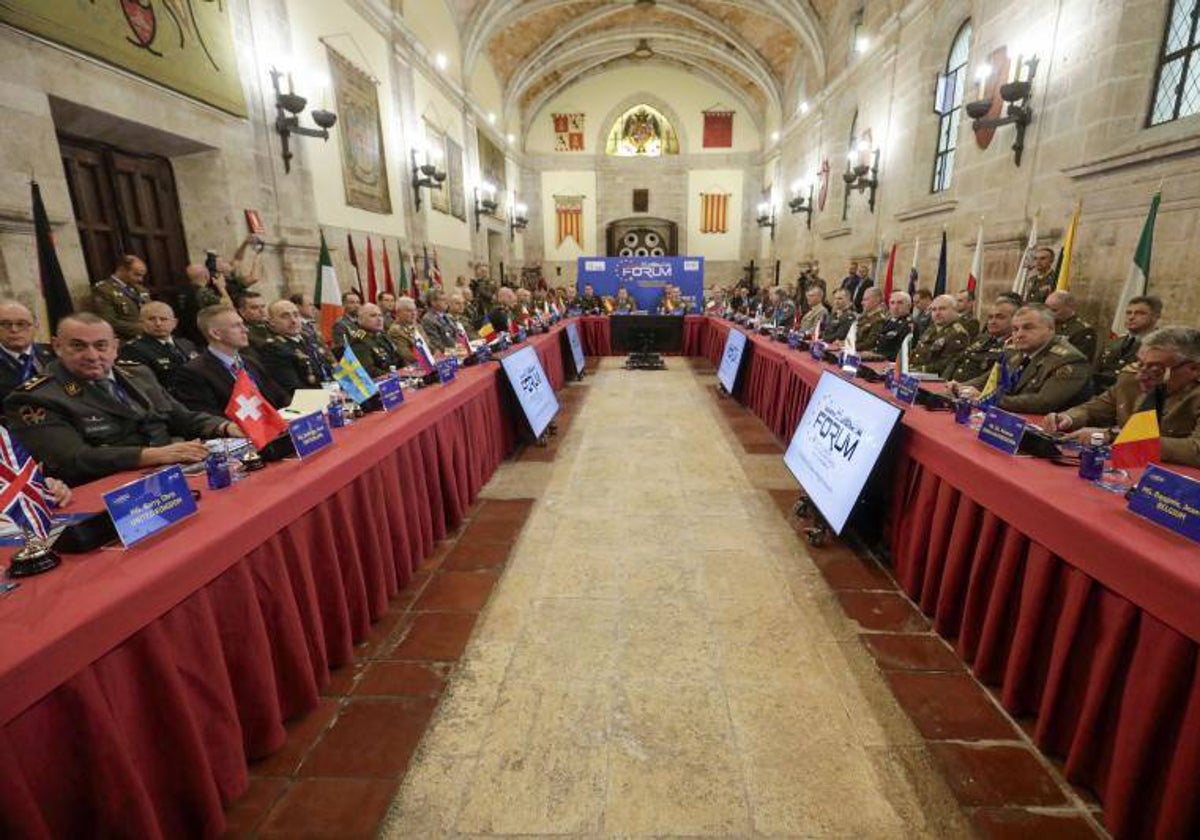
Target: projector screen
{"x": 731, "y": 359}
{"x": 576, "y": 347}
{"x": 837, "y": 444}
{"x": 524, "y": 371}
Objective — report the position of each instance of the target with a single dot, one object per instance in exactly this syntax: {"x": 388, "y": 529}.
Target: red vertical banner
{"x": 718, "y": 129}
{"x": 569, "y": 214}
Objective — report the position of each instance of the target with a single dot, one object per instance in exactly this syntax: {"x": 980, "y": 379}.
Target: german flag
{"x": 1139, "y": 442}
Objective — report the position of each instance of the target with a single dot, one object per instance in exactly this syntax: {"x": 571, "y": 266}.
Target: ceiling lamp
{"x": 643, "y": 49}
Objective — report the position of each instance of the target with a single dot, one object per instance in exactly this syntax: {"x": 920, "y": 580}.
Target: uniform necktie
{"x": 114, "y": 390}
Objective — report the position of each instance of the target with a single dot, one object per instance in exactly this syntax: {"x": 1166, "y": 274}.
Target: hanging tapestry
{"x": 714, "y": 212}
{"x": 360, "y": 136}
{"x": 718, "y": 129}
{"x": 568, "y": 132}
{"x": 568, "y": 209}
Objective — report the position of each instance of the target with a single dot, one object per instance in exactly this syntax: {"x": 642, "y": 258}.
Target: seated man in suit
{"x": 501, "y": 316}
{"x": 206, "y": 382}
{"x": 21, "y": 358}
{"x": 157, "y": 347}
{"x": 438, "y": 326}
{"x": 91, "y": 416}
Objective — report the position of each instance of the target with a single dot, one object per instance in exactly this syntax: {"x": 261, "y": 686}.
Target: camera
{"x": 210, "y": 261}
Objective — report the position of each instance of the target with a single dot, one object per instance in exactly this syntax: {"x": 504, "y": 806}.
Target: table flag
{"x": 1139, "y": 443}
{"x": 353, "y": 377}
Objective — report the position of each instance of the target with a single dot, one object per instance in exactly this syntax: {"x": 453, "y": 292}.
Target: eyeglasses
{"x": 15, "y": 325}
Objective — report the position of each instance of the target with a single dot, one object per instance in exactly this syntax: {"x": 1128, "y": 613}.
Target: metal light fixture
{"x": 485, "y": 202}
{"x": 643, "y": 50}
{"x": 802, "y": 199}
{"x": 1016, "y": 93}
{"x": 425, "y": 174}
{"x": 766, "y": 217}
{"x": 862, "y": 171}
{"x": 288, "y": 108}
{"x": 518, "y": 219}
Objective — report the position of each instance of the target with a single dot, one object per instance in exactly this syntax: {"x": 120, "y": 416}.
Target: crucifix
{"x": 751, "y": 270}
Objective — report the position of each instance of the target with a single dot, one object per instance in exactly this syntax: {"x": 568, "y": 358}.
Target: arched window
{"x": 1177, "y": 81}
{"x": 642, "y": 132}
{"x": 948, "y": 106}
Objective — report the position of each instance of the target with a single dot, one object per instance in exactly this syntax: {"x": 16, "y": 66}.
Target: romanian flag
{"x": 1139, "y": 443}
{"x": 486, "y": 330}
{"x": 328, "y": 295}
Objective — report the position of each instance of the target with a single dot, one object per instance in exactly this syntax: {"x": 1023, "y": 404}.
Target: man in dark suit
{"x": 857, "y": 282}
{"x": 206, "y": 382}
{"x": 437, "y": 323}
{"x": 21, "y": 358}
{"x": 157, "y": 347}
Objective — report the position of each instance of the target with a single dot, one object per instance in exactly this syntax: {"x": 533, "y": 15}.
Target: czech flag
{"x": 1139, "y": 443}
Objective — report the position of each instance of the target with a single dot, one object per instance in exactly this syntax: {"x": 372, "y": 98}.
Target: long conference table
{"x": 134, "y": 685}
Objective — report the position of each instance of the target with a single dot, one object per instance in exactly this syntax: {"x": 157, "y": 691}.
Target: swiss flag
{"x": 253, "y": 414}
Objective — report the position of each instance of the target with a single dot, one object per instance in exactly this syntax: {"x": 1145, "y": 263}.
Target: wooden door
{"x": 126, "y": 203}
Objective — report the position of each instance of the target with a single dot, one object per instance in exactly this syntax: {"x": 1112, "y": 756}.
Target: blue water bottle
{"x": 216, "y": 467}
{"x": 1091, "y": 458}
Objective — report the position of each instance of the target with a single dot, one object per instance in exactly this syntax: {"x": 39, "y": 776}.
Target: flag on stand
{"x": 404, "y": 288}
{"x": 913, "y": 275}
{"x": 939, "y": 284}
{"x": 328, "y": 295}
{"x": 486, "y": 330}
{"x": 22, "y": 489}
{"x": 1018, "y": 286}
{"x": 1139, "y": 442}
{"x": 902, "y": 358}
{"x": 354, "y": 262}
{"x": 353, "y": 378}
{"x": 425, "y": 256}
{"x": 424, "y": 355}
{"x": 891, "y": 268}
{"x": 388, "y": 286}
{"x": 973, "y": 279}
{"x": 1064, "y": 256}
{"x": 850, "y": 343}
{"x": 54, "y": 285}
{"x": 372, "y": 286}
{"x": 877, "y": 269}
{"x": 1138, "y": 280}
{"x": 463, "y": 340}
{"x": 608, "y": 305}
{"x": 436, "y": 277}
{"x": 252, "y": 413}
{"x": 997, "y": 385}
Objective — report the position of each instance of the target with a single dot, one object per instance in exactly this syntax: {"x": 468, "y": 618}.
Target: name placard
{"x": 447, "y": 369}
{"x": 310, "y": 433}
{"x": 906, "y": 391}
{"x": 793, "y": 340}
{"x": 817, "y": 349}
{"x": 142, "y": 508}
{"x": 1168, "y": 499}
{"x": 850, "y": 363}
{"x": 1002, "y": 431}
{"x": 390, "y": 392}
{"x": 483, "y": 354}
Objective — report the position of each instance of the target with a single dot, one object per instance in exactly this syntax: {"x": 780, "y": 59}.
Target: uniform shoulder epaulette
{"x": 1060, "y": 350}
{"x": 35, "y": 382}
{"x": 358, "y": 335}
{"x": 128, "y": 363}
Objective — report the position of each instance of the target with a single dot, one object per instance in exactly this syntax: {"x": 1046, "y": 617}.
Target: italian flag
{"x": 976, "y": 269}
{"x": 1139, "y": 273}
{"x": 1139, "y": 443}
{"x": 1064, "y": 257}
{"x": 328, "y": 295}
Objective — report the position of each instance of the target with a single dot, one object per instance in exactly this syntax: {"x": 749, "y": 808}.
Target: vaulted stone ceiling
{"x": 761, "y": 51}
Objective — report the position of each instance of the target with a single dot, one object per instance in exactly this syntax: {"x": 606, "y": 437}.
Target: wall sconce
{"x": 288, "y": 108}
{"x": 425, "y": 174}
{"x": 766, "y": 217}
{"x": 862, "y": 171}
{"x": 1016, "y": 93}
{"x": 485, "y": 202}
{"x": 802, "y": 199}
{"x": 518, "y": 219}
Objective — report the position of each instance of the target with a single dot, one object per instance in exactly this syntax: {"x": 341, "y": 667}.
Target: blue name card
{"x": 447, "y": 369}
{"x": 906, "y": 390}
{"x": 144, "y": 507}
{"x": 1168, "y": 499}
{"x": 390, "y": 392}
{"x": 484, "y": 353}
{"x": 1002, "y": 431}
{"x": 850, "y": 363}
{"x": 793, "y": 339}
{"x": 310, "y": 433}
{"x": 520, "y": 336}
{"x": 817, "y": 349}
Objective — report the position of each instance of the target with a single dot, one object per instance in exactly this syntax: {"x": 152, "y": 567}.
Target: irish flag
{"x": 1139, "y": 443}
{"x": 1064, "y": 257}
{"x": 1139, "y": 273}
{"x": 328, "y": 296}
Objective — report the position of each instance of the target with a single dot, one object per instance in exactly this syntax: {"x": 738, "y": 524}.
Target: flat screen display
{"x": 837, "y": 444}
{"x": 731, "y": 359}
{"x": 524, "y": 371}
{"x": 576, "y": 347}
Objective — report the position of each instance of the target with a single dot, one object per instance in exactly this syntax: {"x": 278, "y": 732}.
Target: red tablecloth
{"x": 134, "y": 684}
{"x": 1082, "y": 614}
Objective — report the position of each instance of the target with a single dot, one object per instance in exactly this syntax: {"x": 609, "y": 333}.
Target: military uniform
{"x": 440, "y": 330}
{"x": 624, "y": 306}
{"x": 921, "y": 321}
{"x": 164, "y": 358}
{"x": 1115, "y": 357}
{"x": 404, "y": 340}
{"x": 977, "y": 360}
{"x": 81, "y": 432}
{"x": 1049, "y": 380}
{"x": 375, "y": 351}
{"x": 589, "y": 303}
{"x": 785, "y": 314}
{"x": 939, "y": 347}
{"x": 837, "y": 325}
{"x": 1080, "y": 333}
{"x": 813, "y": 317}
{"x": 1039, "y": 286}
{"x": 292, "y": 363}
{"x": 870, "y": 329}
{"x": 464, "y": 323}
{"x": 971, "y": 323}
{"x": 14, "y": 371}
{"x": 260, "y": 334}
{"x": 120, "y": 304}
{"x": 1178, "y": 415}
{"x": 892, "y": 335}
{"x": 342, "y": 328}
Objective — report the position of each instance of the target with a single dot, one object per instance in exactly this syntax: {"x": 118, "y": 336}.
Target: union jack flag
{"x": 22, "y": 488}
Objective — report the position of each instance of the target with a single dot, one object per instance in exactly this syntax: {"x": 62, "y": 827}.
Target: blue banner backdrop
{"x": 645, "y": 277}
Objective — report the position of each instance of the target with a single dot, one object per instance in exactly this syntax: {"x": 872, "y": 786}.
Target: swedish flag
{"x": 353, "y": 377}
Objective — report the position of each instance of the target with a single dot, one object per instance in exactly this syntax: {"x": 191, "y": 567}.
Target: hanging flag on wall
{"x": 568, "y": 132}
{"x": 714, "y": 212}
{"x": 718, "y": 129}
{"x": 568, "y": 209}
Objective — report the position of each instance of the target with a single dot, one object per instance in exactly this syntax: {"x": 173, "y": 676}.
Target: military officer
{"x": 1070, "y": 326}
{"x": 987, "y": 348}
{"x": 21, "y": 358}
{"x": 814, "y": 318}
{"x": 965, "y": 302}
{"x": 348, "y": 323}
{"x": 157, "y": 347}
{"x": 118, "y": 299}
{"x": 458, "y": 316}
{"x": 206, "y": 382}
{"x": 839, "y": 321}
{"x": 253, "y": 309}
{"x": 623, "y": 304}
{"x": 405, "y": 330}
{"x": 870, "y": 322}
{"x": 589, "y": 302}
{"x": 505, "y": 315}
{"x": 1042, "y": 278}
{"x": 287, "y": 357}
{"x": 943, "y": 341}
{"x": 90, "y": 416}
{"x": 895, "y": 329}
{"x": 370, "y": 343}
{"x": 1141, "y": 318}
{"x": 1167, "y": 377}
{"x": 1049, "y": 373}
{"x": 783, "y": 310}
{"x": 922, "y": 319}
